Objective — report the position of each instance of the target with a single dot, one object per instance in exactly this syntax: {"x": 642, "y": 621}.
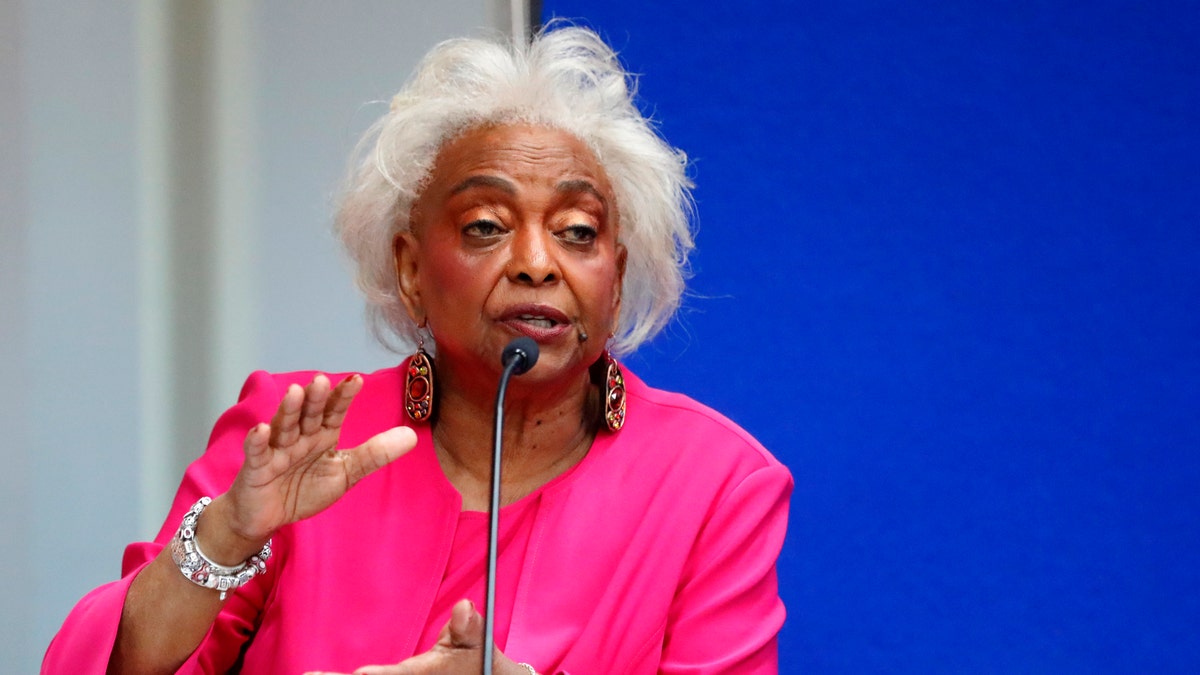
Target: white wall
{"x": 167, "y": 173}
{"x": 70, "y": 363}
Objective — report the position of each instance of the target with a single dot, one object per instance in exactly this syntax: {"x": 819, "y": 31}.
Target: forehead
{"x": 526, "y": 155}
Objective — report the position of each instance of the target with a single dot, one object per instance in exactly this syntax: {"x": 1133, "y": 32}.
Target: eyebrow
{"x": 576, "y": 185}
{"x": 581, "y": 186}
{"x": 485, "y": 181}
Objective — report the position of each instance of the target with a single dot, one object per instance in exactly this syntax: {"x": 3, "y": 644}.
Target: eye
{"x": 578, "y": 234}
{"x": 483, "y": 229}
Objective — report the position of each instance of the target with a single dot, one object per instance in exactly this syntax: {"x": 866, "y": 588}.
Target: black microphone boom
{"x": 517, "y": 358}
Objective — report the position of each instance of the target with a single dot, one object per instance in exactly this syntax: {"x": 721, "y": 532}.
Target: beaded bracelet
{"x": 198, "y": 569}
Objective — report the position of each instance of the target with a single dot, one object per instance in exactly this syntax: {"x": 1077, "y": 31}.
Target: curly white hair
{"x": 566, "y": 78}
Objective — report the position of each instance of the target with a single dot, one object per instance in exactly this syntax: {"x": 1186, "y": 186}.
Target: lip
{"x": 515, "y": 317}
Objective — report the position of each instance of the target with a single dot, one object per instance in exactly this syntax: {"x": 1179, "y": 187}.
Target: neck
{"x": 548, "y": 428}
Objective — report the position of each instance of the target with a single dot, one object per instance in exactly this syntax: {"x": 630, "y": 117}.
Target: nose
{"x": 532, "y": 260}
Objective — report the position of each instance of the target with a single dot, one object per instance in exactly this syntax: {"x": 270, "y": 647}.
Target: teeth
{"x": 539, "y": 321}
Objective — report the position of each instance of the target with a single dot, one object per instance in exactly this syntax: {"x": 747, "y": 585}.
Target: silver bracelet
{"x": 198, "y": 569}
{"x": 531, "y": 669}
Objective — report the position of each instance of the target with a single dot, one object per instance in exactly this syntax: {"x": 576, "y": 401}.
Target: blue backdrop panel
{"x": 947, "y": 272}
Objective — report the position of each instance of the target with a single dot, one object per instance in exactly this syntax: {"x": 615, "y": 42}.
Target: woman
{"x": 510, "y": 191}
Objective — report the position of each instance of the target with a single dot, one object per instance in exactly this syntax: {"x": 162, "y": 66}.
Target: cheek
{"x": 452, "y": 276}
{"x": 602, "y": 287}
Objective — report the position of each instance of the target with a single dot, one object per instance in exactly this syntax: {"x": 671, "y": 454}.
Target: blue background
{"x": 946, "y": 271}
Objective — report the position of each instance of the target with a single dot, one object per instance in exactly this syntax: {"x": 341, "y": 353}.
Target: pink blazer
{"x": 656, "y": 554}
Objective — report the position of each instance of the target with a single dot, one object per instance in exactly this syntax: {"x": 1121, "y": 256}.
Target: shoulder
{"x": 259, "y": 383}
{"x": 262, "y": 392}
{"x": 675, "y": 449}
{"x": 376, "y": 407}
{"x": 680, "y": 426}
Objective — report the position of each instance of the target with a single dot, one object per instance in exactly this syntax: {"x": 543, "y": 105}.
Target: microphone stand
{"x": 518, "y": 357}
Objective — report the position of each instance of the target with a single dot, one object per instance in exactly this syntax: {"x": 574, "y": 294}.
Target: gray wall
{"x": 167, "y": 173}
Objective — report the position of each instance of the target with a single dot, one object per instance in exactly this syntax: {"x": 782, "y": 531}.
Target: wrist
{"x": 202, "y": 570}
{"x": 219, "y": 540}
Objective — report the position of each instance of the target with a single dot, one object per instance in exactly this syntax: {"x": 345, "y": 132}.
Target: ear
{"x": 619, "y": 284}
{"x": 405, "y": 248}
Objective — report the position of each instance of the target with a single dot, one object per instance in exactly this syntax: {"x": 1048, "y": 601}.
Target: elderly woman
{"x": 510, "y": 191}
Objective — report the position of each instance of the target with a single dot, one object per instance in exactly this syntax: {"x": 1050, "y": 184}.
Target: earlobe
{"x": 404, "y": 252}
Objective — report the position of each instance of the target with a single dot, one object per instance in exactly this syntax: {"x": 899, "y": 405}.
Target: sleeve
{"x": 83, "y": 646}
{"x": 727, "y": 612}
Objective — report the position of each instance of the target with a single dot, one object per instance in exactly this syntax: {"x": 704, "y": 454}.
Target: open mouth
{"x": 537, "y": 320}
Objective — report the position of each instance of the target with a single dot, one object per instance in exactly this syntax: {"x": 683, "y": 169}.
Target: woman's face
{"x": 515, "y": 233}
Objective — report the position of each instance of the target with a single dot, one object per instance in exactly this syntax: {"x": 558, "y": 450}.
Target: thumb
{"x": 465, "y": 626}
{"x": 378, "y": 451}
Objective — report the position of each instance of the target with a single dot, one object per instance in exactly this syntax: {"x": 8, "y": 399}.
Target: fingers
{"x": 466, "y": 626}
{"x": 339, "y": 402}
{"x": 285, "y": 428}
{"x": 378, "y": 451}
{"x": 457, "y": 650}
{"x": 258, "y": 441}
{"x": 397, "y": 669}
{"x": 316, "y": 394}
{"x": 305, "y": 411}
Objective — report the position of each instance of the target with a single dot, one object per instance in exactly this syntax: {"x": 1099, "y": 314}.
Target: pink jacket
{"x": 656, "y": 554}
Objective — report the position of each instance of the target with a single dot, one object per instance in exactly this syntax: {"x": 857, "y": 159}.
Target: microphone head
{"x": 522, "y": 350}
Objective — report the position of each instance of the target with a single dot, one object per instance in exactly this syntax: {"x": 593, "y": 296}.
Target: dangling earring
{"x": 614, "y": 395}
{"x": 418, "y": 384}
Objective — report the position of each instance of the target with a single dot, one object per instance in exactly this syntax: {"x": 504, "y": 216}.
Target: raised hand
{"x": 293, "y": 469}
{"x": 459, "y": 651}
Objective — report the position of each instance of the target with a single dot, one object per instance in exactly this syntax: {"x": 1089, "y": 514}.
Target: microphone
{"x": 522, "y": 350}
{"x": 517, "y": 358}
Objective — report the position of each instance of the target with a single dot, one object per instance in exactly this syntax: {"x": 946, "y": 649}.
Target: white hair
{"x": 567, "y": 78}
